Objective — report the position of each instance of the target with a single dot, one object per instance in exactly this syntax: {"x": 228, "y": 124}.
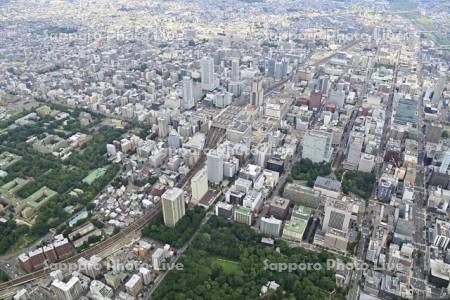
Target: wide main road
{"x": 353, "y": 293}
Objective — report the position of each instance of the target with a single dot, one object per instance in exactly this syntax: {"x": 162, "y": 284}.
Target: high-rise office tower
{"x": 187, "y": 101}
{"x": 134, "y": 285}
{"x": 439, "y": 89}
{"x": 271, "y": 68}
{"x": 173, "y": 206}
{"x": 317, "y": 146}
{"x": 199, "y": 185}
{"x": 163, "y": 126}
{"x": 278, "y": 72}
{"x": 257, "y": 94}
{"x": 324, "y": 84}
{"x": 315, "y": 100}
{"x": 235, "y": 88}
{"x": 235, "y": 70}
{"x": 376, "y": 34}
{"x": 214, "y": 165}
{"x": 207, "y": 72}
{"x": 354, "y": 150}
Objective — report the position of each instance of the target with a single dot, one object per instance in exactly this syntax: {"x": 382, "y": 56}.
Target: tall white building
{"x": 257, "y": 93}
{"x": 235, "y": 88}
{"x": 163, "y": 127}
{"x": 222, "y": 99}
{"x": 354, "y": 150}
{"x": 134, "y": 285}
{"x": 173, "y": 206}
{"x": 187, "y": 102}
{"x": 146, "y": 275}
{"x": 376, "y": 34}
{"x": 157, "y": 258}
{"x": 207, "y": 73}
{"x": 262, "y": 154}
{"x": 111, "y": 150}
{"x": 439, "y": 89}
{"x": 278, "y": 70}
{"x": 317, "y": 146}
{"x": 67, "y": 290}
{"x": 235, "y": 70}
{"x": 199, "y": 185}
{"x": 214, "y": 165}
{"x": 270, "y": 226}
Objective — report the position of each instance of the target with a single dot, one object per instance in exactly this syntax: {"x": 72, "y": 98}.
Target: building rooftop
{"x": 243, "y": 210}
{"x": 295, "y": 226}
{"x": 327, "y": 183}
{"x": 406, "y": 112}
{"x": 439, "y": 269}
{"x": 65, "y": 286}
{"x": 133, "y": 281}
{"x": 271, "y": 220}
{"x": 280, "y": 202}
{"x": 172, "y": 194}
{"x": 301, "y": 212}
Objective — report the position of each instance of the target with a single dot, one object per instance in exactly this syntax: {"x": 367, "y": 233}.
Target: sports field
{"x": 94, "y": 175}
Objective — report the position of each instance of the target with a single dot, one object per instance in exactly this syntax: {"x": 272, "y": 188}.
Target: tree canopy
{"x": 226, "y": 261}
{"x": 306, "y": 170}
{"x": 357, "y": 182}
{"x": 178, "y": 235}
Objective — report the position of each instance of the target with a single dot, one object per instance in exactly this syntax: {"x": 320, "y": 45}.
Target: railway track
{"x": 214, "y": 136}
{"x": 102, "y": 246}
{"x": 7, "y": 288}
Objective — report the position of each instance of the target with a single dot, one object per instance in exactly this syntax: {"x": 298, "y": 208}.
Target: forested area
{"x": 308, "y": 171}
{"x": 178, "y": 235}
{"x": 59, "y": 175}
{"x": 10, "y": 233}
{"x": 226, "y": 261}
{"x": 356, "y": 182}
{"x": 3, "y": 276}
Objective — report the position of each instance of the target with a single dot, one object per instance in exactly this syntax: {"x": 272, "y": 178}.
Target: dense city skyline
{"x": 242, "y": 149}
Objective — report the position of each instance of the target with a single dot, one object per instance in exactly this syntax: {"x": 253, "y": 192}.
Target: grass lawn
{"x": 229, "y": 266}
{"x": 94, "y": 175}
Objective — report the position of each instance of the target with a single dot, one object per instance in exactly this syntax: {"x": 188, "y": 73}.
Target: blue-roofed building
{"x": 406, "y": 112}
{"x": 328, "y": 187}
